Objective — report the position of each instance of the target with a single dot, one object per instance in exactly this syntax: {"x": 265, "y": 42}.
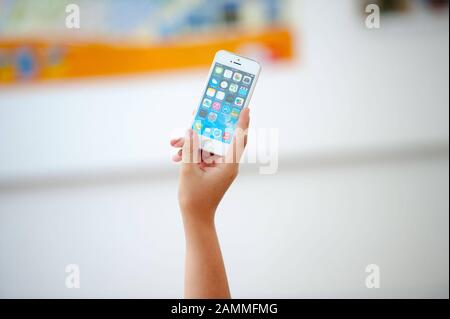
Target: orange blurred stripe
{"x": 96, "y": 59}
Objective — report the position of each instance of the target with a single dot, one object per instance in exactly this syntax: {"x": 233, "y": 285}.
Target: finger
{"x": 190, "y": 154}
{"x": 244, "y": 119}
{"x": 178, "y": 156}
{"x": 208, "y": 157}
{"x": 240, "y": 138}
{"x": 215, "y": 159}
{"x": 177, "y": 142}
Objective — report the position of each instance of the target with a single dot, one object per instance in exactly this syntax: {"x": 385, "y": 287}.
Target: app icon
{"x": 212, "y": 117}
{"x": 239, "y": 101}
{"x": 230, "y": 99}
{"x": 234, "y": 88}
{"x": 217, "y": 133}
{"x": 228, "y": 74}
{"x": 226, "y": 109}
{"x": 207, "y": 103}
{"x": 220, "y": 95}
{"x": 207, "y": 132}
{"x": 237, "y": 77}
{"x": 228, "y": 133}
{"x": 211, "y": 92}
{"x": 224, "y": 84}
{"x": 235, "y": 112}
{"x": 202, "y": 114}
{"x": 243, "y": 91}
{"x": 226, "y": 136}
{"x": 216, "y": 106}
{"x": 219, "y": 70}
{"x": 214, "y": 82}
{"x": 247, "y": 80}
{"x": 198, "y": 126}
{"x": 228, "y": 120}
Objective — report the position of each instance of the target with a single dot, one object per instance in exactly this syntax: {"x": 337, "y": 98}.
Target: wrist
{"x": 198, "y": 221}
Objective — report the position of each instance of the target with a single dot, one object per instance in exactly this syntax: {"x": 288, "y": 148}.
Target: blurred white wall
{"x": 85, "y": 176}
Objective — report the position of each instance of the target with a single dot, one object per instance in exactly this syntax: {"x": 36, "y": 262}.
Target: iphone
{"x": 229, "y": 88}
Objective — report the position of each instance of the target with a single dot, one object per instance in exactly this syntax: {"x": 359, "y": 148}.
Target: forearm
{"x": 205, "y": 275}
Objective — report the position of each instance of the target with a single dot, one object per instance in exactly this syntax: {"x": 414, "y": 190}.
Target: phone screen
{"x": 222, "y": 103}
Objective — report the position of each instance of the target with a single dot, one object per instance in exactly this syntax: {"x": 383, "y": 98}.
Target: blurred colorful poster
{"x": 118, "y": 37}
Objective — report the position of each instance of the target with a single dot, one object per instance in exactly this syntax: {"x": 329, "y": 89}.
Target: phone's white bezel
{"x": 237, "y": 62}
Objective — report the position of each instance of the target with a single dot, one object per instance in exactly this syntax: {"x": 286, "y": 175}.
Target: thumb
{"x": 240, "y": 138}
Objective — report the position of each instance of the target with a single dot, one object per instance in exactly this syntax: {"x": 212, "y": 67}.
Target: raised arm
{"x": 204, "y": 179}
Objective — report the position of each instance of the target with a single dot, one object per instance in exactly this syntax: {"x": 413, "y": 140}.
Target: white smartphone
{"x": 231, "y": 82}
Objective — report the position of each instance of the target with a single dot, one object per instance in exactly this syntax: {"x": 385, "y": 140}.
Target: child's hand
{"x": 204, "y": 178}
